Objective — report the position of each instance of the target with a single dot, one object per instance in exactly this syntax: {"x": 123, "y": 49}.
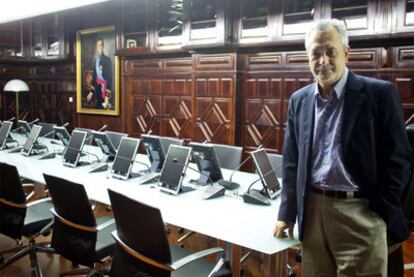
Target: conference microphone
{"x": 230, "y": 185}
{"x": 91, "y": 154}
{"x": 255, "y": 196}
{"x": 11, "y": 119}
{"x": 100, "y": 130}
{"x": 33, "y": 122}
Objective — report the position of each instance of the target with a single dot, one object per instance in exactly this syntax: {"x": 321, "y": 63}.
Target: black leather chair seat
{"x": 37, "y": 216}
{"x": 105, "y": 242}
{"x": 202, "y": 266}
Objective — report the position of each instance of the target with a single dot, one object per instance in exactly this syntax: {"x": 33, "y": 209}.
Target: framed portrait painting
{"x": 97, "y": 76}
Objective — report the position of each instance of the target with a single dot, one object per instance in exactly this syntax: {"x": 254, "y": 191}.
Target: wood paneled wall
{"x": 232, "y": 98}
{"x": 52, "y": 86}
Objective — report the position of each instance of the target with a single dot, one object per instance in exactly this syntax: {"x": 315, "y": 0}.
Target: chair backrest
{"x": 12, "y": 202}
{"x": 408, "y": 195}
{"x": 142, "y": 229}
{"x": 47, "y": 128}
{"x": 72, "y": 237}
{"x": 277, "y": 161}
{"x": 228, "y": 156}
{"x": 167, "y": 141}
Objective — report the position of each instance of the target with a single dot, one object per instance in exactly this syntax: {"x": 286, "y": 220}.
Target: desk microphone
{"x": 52, "y": 131}
{"x": 33, "y": 122}
{"x": 11, "y": 119}
{"x": 255, "y": 196}
{"x": 100, "y": 130}
{"x": 233, "y": 185}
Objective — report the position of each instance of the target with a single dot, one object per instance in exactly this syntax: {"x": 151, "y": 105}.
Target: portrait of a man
{"x": 97, "y": 71}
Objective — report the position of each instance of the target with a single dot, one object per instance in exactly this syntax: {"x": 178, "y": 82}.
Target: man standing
{"x": 346, "y": 159}
{"x": 102, "y": 76}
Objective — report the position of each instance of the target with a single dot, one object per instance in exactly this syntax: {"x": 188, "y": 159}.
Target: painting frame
{"x": 97, "y": 93}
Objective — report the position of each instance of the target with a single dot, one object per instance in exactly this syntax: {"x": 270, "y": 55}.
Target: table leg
{"x": 233, "y": 254}
{"x": 276, "y": 264}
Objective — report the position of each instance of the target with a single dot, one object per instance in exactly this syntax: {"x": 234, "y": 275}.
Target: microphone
{"x": 255, "y": 196}
{"x": 33, "y": 122}
{"x": 92, "y": 154}
{"x": 233, "y": 185}
{"x": 144, "y": 164}
{"x": 11, "y": 119}
{"x": 100, "y": 130}
{"x": 64, "y": 125}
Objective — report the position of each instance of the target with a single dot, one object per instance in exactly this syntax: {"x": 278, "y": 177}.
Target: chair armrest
{"x": 106, "y": 224}
{"x": 198, "y": 255}
{"x": 32, "y": 193}
{"x": 39, "y": 201}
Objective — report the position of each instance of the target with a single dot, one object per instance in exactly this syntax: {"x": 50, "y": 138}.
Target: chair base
{"x": 98, "y": 270}
{"x": 31, "y": 249}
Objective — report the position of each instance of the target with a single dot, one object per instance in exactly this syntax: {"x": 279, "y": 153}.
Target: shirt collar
{"x": 339, "y": 88}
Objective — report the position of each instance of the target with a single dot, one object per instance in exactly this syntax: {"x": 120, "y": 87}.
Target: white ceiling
{"x": 12, "y": 10}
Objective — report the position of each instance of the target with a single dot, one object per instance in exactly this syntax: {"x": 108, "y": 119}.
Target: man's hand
{"x": 280, "y": 228}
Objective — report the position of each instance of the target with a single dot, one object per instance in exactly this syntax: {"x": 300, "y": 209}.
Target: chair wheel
{"x": 1, "y": 259}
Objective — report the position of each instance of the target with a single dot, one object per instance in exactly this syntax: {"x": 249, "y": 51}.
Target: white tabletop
{"x": 226, "y": 218}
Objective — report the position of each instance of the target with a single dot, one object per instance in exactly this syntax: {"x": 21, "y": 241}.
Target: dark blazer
{"x": 374, "y": 144}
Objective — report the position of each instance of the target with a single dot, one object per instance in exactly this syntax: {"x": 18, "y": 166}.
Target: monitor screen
{"x": 74, "y": 148}
{"x": 103, "y": 141}
{"x": 152, "y": 145}
{"x": 31, "y": 139}
{"x": 25, "y": 127}
{"x": 89, "y": 135}
{"x": 115, "y": 138}
{"x": 266, "y": 171}
{"x": 62, "y": 134}
{"x": 206, "y": 159}
{"x": 125, "y": 156}
{"x": 4, "y": 132}
{"x": 173, "y": 169}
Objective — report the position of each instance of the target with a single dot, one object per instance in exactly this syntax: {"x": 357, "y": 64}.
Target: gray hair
{"x": 326, "y": 24}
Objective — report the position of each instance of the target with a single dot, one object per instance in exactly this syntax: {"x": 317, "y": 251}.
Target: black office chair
{"x": 142, "y": 246}
{"x": 277, "y": 161}
{"x": 167, "y": 141}
{"x": 228, "y": 156}
{"x": 47, "y": 130}
{"x": 19, "y": 218}
{"x": 76, "y": 235}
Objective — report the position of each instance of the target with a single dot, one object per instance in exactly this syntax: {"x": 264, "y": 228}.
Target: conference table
{"x": 232, "y": 222}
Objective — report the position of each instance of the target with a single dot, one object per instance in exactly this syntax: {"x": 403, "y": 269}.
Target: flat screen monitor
{"x": 153, "y": 147}
{"x": 103, "y": 141}
{"x": 271, "y": 186}
{"x": 4, "y": 133}
{"x": 206, "y": 160}
{"x": 24, "y": 126}
{"x": 62, "y": 134}
{"x": 89, "y": 135}
{"x": 125, "y": 157}
{"x": 31, "y": 140}
{"x": 74, "y": 148}
{"x": 172, "y": 172}
{"x": 115, "y": 138}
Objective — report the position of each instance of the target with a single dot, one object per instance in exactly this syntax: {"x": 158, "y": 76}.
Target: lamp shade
{"x": 16, "y": 85}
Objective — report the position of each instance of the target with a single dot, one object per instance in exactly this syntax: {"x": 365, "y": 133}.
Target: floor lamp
{"x": 16, "y": 86}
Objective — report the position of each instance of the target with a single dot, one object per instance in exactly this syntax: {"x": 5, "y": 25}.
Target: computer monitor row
{"x": 166, "y": 155}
